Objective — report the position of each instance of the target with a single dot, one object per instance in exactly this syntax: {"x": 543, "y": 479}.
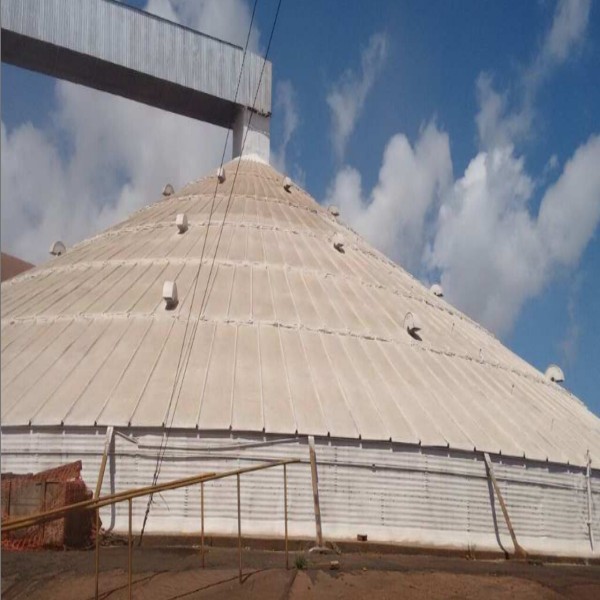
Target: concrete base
{"x": 273, "y": 544}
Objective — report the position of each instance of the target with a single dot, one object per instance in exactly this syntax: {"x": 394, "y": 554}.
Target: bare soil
{"x": 161, "y": 573}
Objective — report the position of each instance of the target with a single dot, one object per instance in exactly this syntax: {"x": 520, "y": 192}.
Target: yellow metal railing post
{"x": 202, "y": 521}
{"x": 285, "y": 512}
{"x": 96, "y": 503}
{"x": 239, "y": 526}
{"x": 130, "y": 549}
{"x": 97, "y": 550}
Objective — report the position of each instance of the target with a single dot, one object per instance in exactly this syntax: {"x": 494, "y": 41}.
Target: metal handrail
{"x": 129, "y": 495}
{"x": 57, "y": 513}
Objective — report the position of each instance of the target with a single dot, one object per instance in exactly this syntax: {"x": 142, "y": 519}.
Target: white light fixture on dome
{"x": 221, "y": 174}
{"x": 181, "y": 222}
{"x": 168, "y": 190}
{"x": 287, "y": 184}
{"x": 338, "y": 242}
{"x": 555, "y": 373}
{"x": 412, "y": 324}
{"x": 437, "y": 290}
{"x": 57, "y": 248}
{"x": 169, "y": 294}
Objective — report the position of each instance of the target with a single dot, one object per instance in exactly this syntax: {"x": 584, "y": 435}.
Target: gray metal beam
{"x": 121, "y": 50}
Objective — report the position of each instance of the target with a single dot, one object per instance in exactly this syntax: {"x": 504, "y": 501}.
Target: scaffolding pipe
{"x": 239, "y": 527}
{"x": 285, "y": 515}
{"x": 130, "y": 549}
{"x": 588, "y": 476}
{"x": 107, "y": 443}
{"x": 97, "y": 551}
{"x": 202, "y": 521}
{"x": 96, "y": 503}
{"x": 518, "y": 550}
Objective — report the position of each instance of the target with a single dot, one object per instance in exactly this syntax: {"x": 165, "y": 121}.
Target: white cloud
{"x": 122, "y": 156}
{"x": 484, "y": 244}
{"x": 568, "y": 345}
{"x": 347, "y": 96}
{"x": 119, "y": 154}
{"x": 493, "y": 255}
{"x": 568, "y": 27}
{"x": 224, "y": 19}
{"x": 551, "y": 165}
{"x": 499, "y": 125}
{"x": 570, "y": 210}
{"x": 411, "y": 182}
{"x": 479, "y": 234}
{"x": 285, "y": 104}
{"x": 496, "y": 125}
{"x": 162, "y": 8}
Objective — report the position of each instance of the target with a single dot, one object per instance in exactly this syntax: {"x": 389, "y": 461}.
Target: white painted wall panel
{"x": 392, "y": 493}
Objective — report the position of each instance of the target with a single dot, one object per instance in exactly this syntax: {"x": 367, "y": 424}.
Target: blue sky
{"x": 464, "y": 148}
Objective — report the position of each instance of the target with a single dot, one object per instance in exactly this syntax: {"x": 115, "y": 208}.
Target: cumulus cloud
{"x": 121, "y": 155}
{"x": 568, "y": 344}
{"x": 286, "y": 105}
{"x": 570, "y": 210}
{"x": 568, "y": 28}
{"x": 507, "y": 117}
{"x": 480, "y": 233}
{"x": 101, "y": 156}
{"x": 492, "y": 253}
{"x": 347, "y": 96}
{"x": 410, "y": 185}
{"x": 224, "y": 19}
{"x": 496, "y": 124}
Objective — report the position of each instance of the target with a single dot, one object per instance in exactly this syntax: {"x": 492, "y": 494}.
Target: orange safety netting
{"x": 29, "y": 494}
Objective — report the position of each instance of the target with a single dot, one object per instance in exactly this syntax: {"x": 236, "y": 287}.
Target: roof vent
{"x": 412, "y": 324}
{"x": 57, "y": 248}
{"x": 168, "y": 190}
{"x": 334, "y": 210}
{"x": 338, "y": 242}
{"x": 554, "y": 373}
{"x": 287, "y": 184}
{"x": 181, "y": 222}
{"x": 221, "y": 174}
{"x": 436, "y": 290}
{"x": 170, "y": 294}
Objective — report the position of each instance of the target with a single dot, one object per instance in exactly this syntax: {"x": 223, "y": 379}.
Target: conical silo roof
{"x": 292, "y": 334}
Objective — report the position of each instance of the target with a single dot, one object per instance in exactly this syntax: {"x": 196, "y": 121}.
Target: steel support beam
{"x": 115, "y": 48}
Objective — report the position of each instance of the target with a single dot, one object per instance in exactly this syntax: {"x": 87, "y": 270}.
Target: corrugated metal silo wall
{"x": 392, "y": 493}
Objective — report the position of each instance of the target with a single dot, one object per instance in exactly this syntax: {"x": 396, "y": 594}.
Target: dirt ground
{"x": 173, "y": 573}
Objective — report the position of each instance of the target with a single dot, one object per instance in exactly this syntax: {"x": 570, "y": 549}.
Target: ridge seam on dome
{"x": 98, "y": 264}
{"x": 107, "y": 316}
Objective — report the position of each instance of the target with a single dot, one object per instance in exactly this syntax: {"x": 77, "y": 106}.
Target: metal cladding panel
{"x": 402, "y": 494}
{"x": 118, "y": 34}
{"x": 274, "y": 331}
